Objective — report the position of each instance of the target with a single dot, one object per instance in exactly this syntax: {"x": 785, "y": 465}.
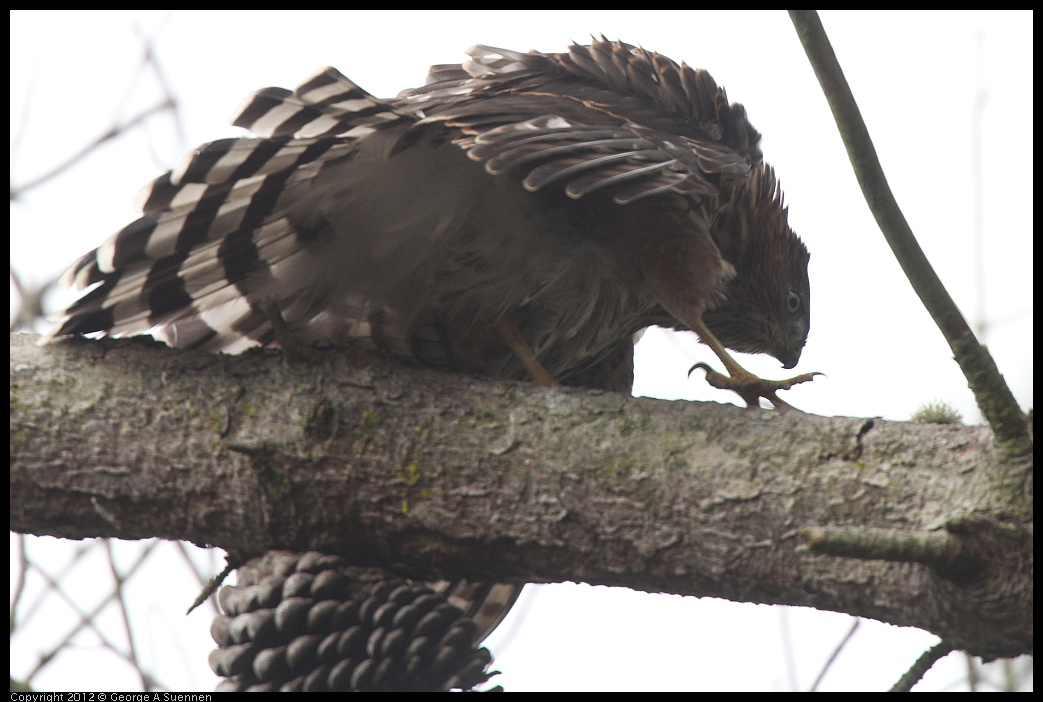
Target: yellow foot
{"x": 751, "y": 388}
{"x": 509, "y": 333}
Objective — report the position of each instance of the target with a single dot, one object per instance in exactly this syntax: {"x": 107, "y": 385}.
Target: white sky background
{"x": 919, "y": 79}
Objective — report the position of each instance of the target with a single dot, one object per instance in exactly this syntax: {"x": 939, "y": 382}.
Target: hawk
{"x": 521, "y": 215}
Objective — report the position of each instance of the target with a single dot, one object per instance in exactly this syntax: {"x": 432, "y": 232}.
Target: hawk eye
{"x": 793, "y": 302}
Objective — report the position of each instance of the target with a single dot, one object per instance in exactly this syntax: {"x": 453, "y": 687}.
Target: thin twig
{"x": 836, "y": 653}
{"x": 921, "y": 666}
{"x": 111, "y": 133}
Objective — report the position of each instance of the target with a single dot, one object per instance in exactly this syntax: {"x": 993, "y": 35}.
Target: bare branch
{"x": 113, "y": 132}
{"x": 922, "y": 665}
{"x": 994, "y": 398}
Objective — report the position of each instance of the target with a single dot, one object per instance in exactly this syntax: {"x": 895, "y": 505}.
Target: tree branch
{"x": 452, "y": 475}
{"x": 994, "y": 398}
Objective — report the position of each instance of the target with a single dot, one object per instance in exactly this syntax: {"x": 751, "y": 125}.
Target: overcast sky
{"x": 928, "y": 84}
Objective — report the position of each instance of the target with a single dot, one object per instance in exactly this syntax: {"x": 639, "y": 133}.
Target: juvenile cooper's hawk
{"x": 522, "y": 215}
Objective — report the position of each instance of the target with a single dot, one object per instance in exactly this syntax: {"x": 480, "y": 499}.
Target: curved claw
{"x": 704, "y": 366}
{"x": 751, "y": 388}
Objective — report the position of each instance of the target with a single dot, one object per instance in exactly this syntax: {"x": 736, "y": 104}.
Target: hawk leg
{"x": 293, "y": 350}
{"x": 508, "y": 330}
{"x": 739, "y": 380}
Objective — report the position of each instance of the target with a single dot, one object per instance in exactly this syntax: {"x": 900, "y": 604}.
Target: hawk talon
{"x": 751, "y": 388}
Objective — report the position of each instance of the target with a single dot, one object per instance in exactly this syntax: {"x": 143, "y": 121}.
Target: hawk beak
{"x": 788, "y": 358}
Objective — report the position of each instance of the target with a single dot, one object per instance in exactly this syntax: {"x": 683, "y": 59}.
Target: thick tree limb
{"x": 435, "y": 474}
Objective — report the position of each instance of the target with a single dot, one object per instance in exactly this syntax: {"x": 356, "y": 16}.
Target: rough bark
{"x": 448, "y": 475}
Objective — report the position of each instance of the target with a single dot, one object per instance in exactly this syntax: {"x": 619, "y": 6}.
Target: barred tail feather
{"x": 486, "y": 603}
{"x": 216, "y": 219}
{"x": 327, "y": 104}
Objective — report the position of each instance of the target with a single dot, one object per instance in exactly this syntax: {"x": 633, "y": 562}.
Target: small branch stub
{"x": 941, "y": 551}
